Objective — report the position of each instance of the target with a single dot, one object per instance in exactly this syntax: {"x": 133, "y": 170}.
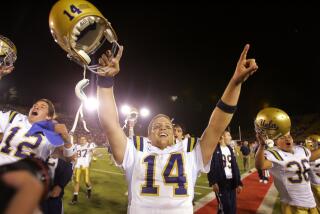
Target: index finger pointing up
{"x": 243, "y": 55}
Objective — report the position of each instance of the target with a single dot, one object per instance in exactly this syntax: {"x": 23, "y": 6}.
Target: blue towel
{"x": 46, "y": 127}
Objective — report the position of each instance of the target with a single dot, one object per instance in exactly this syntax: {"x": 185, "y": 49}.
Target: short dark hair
{"x": 51, "y": 109}
{"x": 177, "y": 125}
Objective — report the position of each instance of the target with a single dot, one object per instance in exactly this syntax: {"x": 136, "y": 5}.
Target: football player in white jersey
{"x": 19, "y": 143}
{"x": 85, "y": 152}
{"x": 24, "y": 136}
{"x": 161, "y": 175}
{"x": 289, "y": 164}
{"x": 312, "y": 142}
{"x": 34, "y": 134}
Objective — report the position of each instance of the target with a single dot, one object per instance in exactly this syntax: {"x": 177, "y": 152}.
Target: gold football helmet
{"x": 80, "y": 29}
{"x": 312, "y": 142}
{"x": 272, "y": 123}
{"x": 8, "y": 52}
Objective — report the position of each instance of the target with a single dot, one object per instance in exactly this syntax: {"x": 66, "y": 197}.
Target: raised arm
{"x": 68, "y": 149}
{"x": 260, "y": 161}
{"x": 222, "y": 114}
{"x": 108, "y": 113}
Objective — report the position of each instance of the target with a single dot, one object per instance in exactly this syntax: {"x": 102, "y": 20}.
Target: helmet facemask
{"x": 312, "y": 142}
{"x": 7, "y": 52}
{"x": 267, "y": 132}
{"x": 89, "y": 39}
{"x": 311, "y": 145}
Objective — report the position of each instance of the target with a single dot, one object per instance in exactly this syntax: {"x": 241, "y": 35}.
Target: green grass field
{"x": 109, "y": 188}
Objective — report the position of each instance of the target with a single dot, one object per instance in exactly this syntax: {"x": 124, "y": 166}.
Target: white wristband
{"x": 68, "y": 152}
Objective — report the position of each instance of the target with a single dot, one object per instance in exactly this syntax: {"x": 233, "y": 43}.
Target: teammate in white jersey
{"x": 20, "y": 140}
{"x": 34, "y": 134}
{"x": 289, "y": 164}
{"x": 161, "y": 175}
{"x": 23, "y": 136}
{"x": 312, "y": 142}
{"x": 85, "y": 151}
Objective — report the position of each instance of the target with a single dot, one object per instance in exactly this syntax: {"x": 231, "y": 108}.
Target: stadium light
{"x": 144, "y": 112}
{"x": 91, "y": 104}
{"x": 125, "y": 109}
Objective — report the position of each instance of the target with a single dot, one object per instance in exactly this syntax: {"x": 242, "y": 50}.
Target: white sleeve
{"x": 198, "y": 159}
{"x": 4, "y": 119}
{"x": 271, "y": 156}
{"x": 47, "y": 150}
{"x": 93, "y": 145}
{"x": 129, "y": 155}
{"x": 308, "y": 152}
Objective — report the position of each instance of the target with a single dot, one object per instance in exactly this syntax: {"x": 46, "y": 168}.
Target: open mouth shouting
{"x": 34, "y": 113}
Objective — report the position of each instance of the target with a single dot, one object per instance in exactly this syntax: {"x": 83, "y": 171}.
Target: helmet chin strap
{"x": 83, "y": 98}
{"x": 84, "y": 61}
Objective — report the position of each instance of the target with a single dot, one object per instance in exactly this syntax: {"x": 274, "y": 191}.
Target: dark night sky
{"x": 188, "y": 50}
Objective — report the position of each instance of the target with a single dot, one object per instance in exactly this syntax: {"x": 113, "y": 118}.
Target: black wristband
{"x": 105, "y": 82}
{"x": 225, "y": 107}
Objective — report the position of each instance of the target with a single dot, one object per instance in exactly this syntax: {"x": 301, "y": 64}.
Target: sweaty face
{"x": 161, "y": 134}
{"x": 39, "y": 112}
{"x": 285, "y": 142}
{"x": 177, "y": 131}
